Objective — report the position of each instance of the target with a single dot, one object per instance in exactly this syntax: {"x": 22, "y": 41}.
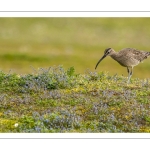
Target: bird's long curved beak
{"x": 100, "y": 61}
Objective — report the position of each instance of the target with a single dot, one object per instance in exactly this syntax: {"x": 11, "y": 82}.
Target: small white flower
{"x": 16, "y": 125}
{"x": 18, "y": 76}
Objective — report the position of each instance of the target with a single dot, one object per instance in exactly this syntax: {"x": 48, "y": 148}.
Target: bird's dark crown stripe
{"x": 107, "y": 49}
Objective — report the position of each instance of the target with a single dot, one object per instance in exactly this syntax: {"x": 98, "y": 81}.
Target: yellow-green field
{"x": 78, "y": 42}
{"x": 48, "y": 82}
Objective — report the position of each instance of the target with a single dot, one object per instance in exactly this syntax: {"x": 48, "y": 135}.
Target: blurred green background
{"x": 78, "y": 42}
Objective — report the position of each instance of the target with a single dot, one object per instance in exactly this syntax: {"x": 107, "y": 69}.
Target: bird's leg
{"x": 130, "y": 72}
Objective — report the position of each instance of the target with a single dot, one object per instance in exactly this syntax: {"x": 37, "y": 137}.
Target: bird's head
{"x": 107, "y": 52}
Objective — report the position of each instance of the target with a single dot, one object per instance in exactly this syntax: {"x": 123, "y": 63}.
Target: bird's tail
{"x": 147, "y": 55}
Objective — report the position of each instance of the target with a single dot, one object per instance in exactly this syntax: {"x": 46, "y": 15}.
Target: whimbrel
{"x": 127, "y": 57}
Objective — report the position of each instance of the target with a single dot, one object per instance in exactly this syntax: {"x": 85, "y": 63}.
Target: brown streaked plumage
{"x": 127, "y": 57}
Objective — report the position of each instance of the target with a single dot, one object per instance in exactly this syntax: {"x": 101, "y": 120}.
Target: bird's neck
{"x": 114, "y": 55}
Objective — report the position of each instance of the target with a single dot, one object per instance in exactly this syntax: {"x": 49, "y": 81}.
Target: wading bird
{"x": 127, "y": 57}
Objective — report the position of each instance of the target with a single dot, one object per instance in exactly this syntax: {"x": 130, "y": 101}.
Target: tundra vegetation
{"x": 59, "y": 100}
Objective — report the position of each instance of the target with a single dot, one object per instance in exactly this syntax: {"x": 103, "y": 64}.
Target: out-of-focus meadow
{"x": 78, "y": 42}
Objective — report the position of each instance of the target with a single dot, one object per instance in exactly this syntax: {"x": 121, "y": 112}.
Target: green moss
{"x": 90, "y": 102}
